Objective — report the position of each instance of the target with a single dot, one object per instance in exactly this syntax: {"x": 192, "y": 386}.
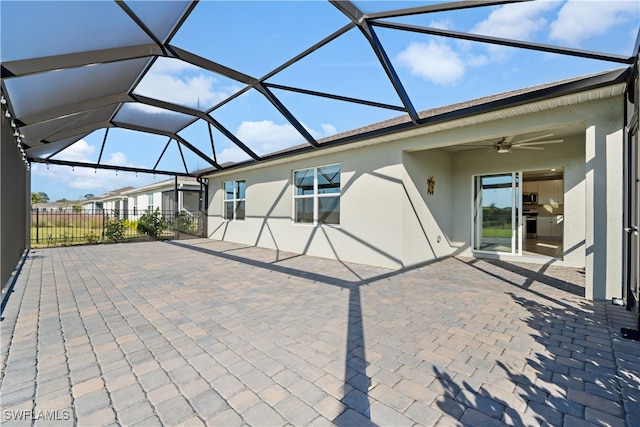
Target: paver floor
{"x": 202, "y": 332}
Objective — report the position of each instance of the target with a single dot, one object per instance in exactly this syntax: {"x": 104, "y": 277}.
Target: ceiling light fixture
{"x": 3, "y": 101}
{"x": 503, "y": 150}
{"x": 7, "y": 114}
{"x": 16, "y": 133}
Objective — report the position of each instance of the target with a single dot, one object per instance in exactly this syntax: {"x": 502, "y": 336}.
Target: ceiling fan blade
{"x": 475, "y": 148}
{"x": 550, "y": 141}
{"x": 534, "y": 138}
{"x": 527, "y": 147}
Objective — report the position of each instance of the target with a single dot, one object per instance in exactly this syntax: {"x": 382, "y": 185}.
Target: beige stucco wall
{"x": 604, "y": 207}
{"x": 568, "y": 155}
{"x": 427, "y": 220}
{"x": 370, "y": 231}
{"x": 389, "y": 220}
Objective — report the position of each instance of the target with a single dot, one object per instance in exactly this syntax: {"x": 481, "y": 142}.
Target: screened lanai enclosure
{"x": 121, "y": 72}
{"x": 187, "y": 88}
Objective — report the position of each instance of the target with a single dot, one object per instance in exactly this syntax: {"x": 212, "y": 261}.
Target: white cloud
{"x": 516, "y": 20}
{"x": 66, "y": 180}
{"x": 232, "y": 154}
{"x": 266, "y": 136}
{"x": 183, "y": 84}
{"x": 327, "y": 130}
{"x": 580, "y": 20}
{"x": 118, "y": 159}
{"x": 97, "y": 181}
{"x": 443, "y": 24}
{"x": 476, "y": 60}
{"x": 80, "y": 151}
{"x": 433, "y": 61}
{"x": 193, "y": 91}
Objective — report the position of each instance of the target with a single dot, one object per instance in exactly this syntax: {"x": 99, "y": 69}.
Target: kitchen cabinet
{"x": 551, "y": 192}
{"x": 530, "y": 186}
{"x": 544, "y": 226}
{"x": 550, "y": 226}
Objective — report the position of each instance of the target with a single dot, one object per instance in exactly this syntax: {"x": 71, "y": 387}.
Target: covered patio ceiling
{"x": 74, "y": 69}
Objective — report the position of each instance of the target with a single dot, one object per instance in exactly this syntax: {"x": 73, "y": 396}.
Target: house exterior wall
{"x": 15, "y": 199}
{"x": 142, "y": 201}
{"x": 90, "y": 207}
{"x": 427, "y": 221}
{"x": 370, "y": 230}
{"x": 604, "y": 206}
{"x": 568, "y": 155}
{"x": 388, "y": 218}
{"x": 190, "y": 201}
{"x": 115, "y": 204}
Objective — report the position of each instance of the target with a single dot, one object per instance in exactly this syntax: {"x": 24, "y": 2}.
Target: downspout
{"x": 202, "y": 206}
{"x": 175, "y": 206}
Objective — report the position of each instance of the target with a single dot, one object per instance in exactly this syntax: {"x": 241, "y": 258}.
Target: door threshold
{"x": 526, "y": 258}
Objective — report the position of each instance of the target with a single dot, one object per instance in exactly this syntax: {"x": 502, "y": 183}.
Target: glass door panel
{"x": 497, "y": 215}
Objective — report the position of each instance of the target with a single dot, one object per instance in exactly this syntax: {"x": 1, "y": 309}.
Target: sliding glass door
{"x": 497, "y": 217}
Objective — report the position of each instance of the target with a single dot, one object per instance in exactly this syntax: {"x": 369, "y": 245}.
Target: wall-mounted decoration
{"x": 431, "y": 183}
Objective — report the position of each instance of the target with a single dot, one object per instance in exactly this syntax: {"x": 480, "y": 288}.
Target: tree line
{"x": 42, "y": 197}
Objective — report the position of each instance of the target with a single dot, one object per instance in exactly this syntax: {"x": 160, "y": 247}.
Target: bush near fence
{"x": 63, "y": 228}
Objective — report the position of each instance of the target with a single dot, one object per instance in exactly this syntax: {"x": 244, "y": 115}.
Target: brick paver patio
{"x": 204, "y": 332}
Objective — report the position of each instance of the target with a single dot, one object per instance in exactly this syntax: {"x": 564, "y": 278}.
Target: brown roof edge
{"x": 452, "y": 112}
{"x": 490, "y": 103}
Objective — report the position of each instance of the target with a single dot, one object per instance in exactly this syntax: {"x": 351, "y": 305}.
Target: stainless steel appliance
{"x": 531, "y": 222}
{"x": 529, "y": 198}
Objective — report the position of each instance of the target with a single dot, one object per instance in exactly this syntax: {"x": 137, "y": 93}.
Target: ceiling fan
{"x": 506, "y": 143}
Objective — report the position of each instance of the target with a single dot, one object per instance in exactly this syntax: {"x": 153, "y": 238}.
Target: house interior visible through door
{"x": 520, "y": 213}
{"x": 543, "y": 212}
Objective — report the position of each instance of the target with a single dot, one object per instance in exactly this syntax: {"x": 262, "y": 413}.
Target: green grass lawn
{"x": 496, "y": 232}
{"x": 63, "y": 236}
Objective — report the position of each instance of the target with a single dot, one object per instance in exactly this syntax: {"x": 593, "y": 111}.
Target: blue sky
{"x": 255, "y": 37}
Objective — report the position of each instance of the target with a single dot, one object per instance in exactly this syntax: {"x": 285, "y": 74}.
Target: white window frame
{"x": 234, "y": 201}
{"x": 315, "y": 196}
{"x": 517, "y": 228}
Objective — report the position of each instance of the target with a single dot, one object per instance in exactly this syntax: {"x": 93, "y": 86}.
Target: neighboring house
{"x": 93, "y": 205}
{"x": 111, "y": 201}
{"x": 116, "y": 200}
{"x": 162, "y": 195}
{"x": 55, "y": 206}
{"x": 468, "y": 183}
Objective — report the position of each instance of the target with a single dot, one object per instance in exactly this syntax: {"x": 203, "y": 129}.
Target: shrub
{"x": 151, "y": 223}
{"x": 91, "y": 237}
{"x": 131, "y": 224}
{"x": 185, "y": 222}
{"x": 66, "y": 239}
{"x": 114, "y": 228}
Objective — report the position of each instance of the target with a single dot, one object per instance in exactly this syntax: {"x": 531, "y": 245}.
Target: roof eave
{"x": 563, "y": 88}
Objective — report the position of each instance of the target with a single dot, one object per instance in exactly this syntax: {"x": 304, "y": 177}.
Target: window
{"x": 316, "y": 195}
{"x": 150, "y": 203}
{"x": 234, "y": 200}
